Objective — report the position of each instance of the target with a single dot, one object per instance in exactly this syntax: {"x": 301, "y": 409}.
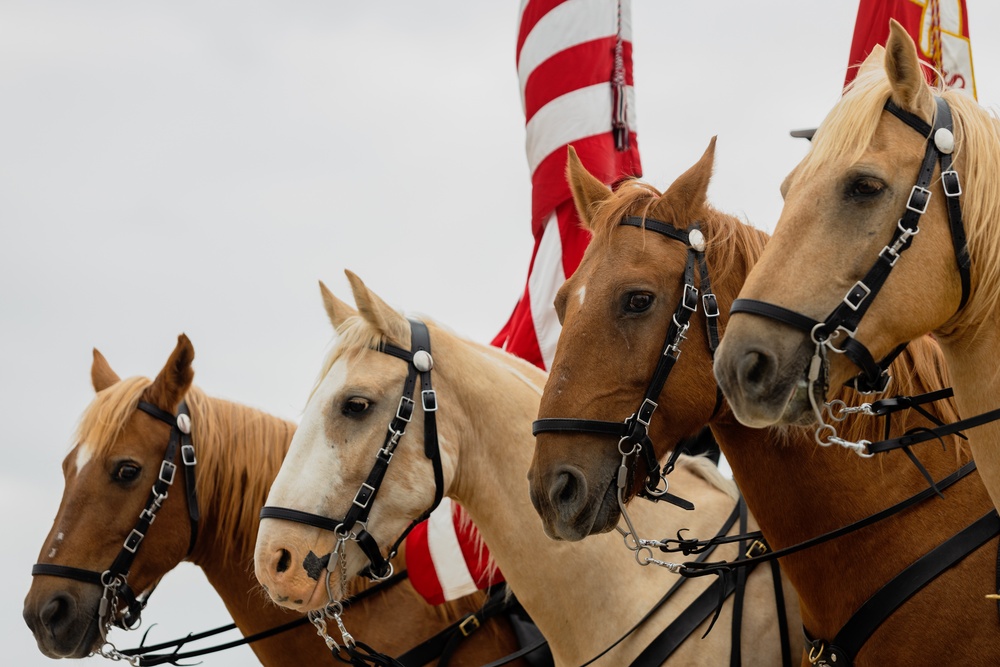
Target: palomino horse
{"x": 853, "y": 204}
{"x": 583, "y": 597}
{"x": 238, "y": 451}
{"x": 615, "y": 312}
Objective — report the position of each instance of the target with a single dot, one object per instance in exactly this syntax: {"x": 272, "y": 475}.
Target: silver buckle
{"x": 710, "y": 305}
{"x": 690, "y": 292}
{"x": 132, "y": 541}
{"x": 892, "y": 253}
{"x": 645, "y": 403}
{"x": 951, "y": 176}
{"x": 368, "y": 499}
{"x": 187, "y": 455}
{"x": 407, "y": 402}
{"x": 167, "y": 470}
{"x": 428, "y": 400}
{"x": 861, "y": 299}
{"x": 146, "y": 515}
{"x": 927, "y": 199}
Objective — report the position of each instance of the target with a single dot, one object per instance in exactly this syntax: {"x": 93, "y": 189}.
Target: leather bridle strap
{"x": 634, "y": 430}
{"x": 115, "y": 579}
{"x": 848, "y": 313}
{"x": 419, "y": 365}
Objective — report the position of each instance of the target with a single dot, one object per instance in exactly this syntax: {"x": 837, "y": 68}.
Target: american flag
{"x": 940, "y": 28}
{"x": 574, "y": 64}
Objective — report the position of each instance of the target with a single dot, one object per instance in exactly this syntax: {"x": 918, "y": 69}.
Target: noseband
{"x": 114, "y": 580}
{"x": 633, "y": 432}
{"x": 419, "y": 363}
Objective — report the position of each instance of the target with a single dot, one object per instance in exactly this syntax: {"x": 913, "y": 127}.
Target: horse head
{"x": 851, "y": 208}
{"x": 118, "y": 457}
{"x": 345, "y": 434}
{"x": 626, "y": 309}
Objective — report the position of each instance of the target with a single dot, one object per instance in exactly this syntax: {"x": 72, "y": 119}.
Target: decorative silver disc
{"x": 697, "y": 240}
{"x": 422, "y": 361}
{"x": 944, "y": 140}
{"x": 184, "y": 424}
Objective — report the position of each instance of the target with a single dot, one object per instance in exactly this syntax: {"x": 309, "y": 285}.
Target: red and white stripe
{"x": 566, "y": 66}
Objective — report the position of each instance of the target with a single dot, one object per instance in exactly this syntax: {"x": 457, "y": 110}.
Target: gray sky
{"x": 196, "y": 167}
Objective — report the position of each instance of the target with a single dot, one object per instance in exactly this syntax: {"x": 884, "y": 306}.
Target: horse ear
{"x": 687, "y": 195}
{"x": 101, "y": 375}
{"x": 175, "y": 379}
{"x": 875, "y": 60}
{"x": 909, "y": 89}
{"x": 337, "y": 310}
{"x": 586, "y": 189}
{"x": 378, "y": 313}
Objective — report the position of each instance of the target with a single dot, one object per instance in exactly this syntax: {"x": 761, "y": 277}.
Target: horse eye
{"x": 126, "y": 471}
{"x": 355, "y": 406}
{"x": 866, "y": 187}
{"x": 638, "y": 302}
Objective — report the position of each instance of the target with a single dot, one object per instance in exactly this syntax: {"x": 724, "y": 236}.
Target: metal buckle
{"x": 859, "y": 292}
{"x": 187, "y": 455}
{"x": 647, "y": 408}
{"x": 429, "y": 401}
{"x": 404, "y": 411}
{"x": 758, "y": 548}
{"x": 469, "y": 625}
{"x": 361, "y": 499}
{"x": 146, "y": 515}
{"x": 889, "y": 252}
{"x": 918, "y": 206}
{"x": 690, "y": 298}
{"x": 710, "y": 304}
{"x": 132, "y": 541}
{"x": 167, "y": 470}
{"x": 949, "y": 181}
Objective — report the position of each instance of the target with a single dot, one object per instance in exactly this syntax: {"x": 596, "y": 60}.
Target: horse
{"x": 238, "y": 451}
{"x": 616, "y": 311}
{"x": 852, "y": 203}
{"x": 583, "y": 597}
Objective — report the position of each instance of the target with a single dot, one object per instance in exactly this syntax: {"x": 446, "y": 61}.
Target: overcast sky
{"x": 196, "y": 167}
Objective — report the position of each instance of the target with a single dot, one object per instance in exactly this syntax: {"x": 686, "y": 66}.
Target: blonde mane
{"x": 849, "y": 129}
{"x": 239, "y": 452}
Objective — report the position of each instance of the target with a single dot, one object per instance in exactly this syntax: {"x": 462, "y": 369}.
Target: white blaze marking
{"x": 83, "y": 454}
{"x": 581, "y": 293}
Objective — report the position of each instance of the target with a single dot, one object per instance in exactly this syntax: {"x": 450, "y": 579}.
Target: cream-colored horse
{"x": 582, "y": 596}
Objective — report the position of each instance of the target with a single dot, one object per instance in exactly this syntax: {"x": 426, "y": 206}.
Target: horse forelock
{"x": 104, "y": 420}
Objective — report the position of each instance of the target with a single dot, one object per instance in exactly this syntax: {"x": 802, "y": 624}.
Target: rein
{"x": 114, "y": 580}
{"x": 633, "y": 432}
{"x": 847, "y": 315}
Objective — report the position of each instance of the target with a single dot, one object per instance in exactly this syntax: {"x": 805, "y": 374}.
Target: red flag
{"x": 574, "y": 63}
{"x": 940, "y": 29}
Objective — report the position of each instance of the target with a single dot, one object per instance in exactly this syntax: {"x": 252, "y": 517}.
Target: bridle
{"x": 846, "y": 316}
{"x": 633, "y": 431}
{"x": 114, "y": 580}
{"x": 354, "y": 526}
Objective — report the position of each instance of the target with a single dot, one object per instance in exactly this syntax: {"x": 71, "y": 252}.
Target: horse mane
{"x": 706, "y": 469}
{"x": 849, "y": 129}
{"x": 729, "y": 242}
{"x": 236, "y": 478}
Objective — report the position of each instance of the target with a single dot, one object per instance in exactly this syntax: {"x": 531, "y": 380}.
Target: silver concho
{"x": 422, "y": 361}
{"x": 697, "y": 240}
{"x": 944, "y": 140}
{"x": 184, "y": 424}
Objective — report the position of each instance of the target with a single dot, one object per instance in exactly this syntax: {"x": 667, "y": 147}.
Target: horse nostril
{"x": 284, "y": 561}
{"x": 567, "y": 488}
{"x": 756, "y": 369}
{"x": 56, "y": 612}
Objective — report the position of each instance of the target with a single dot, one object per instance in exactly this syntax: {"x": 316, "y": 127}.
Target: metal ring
{"x": 635, "y": 446}
{"x": 840, "y": 407}
{"x": 657, "y": 491}
{"x": 819, "y": 430}
{"x": 645, "y": 561}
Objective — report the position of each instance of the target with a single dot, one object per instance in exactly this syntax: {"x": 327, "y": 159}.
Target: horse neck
{"x": 971, "y": 359}
{"x": 797, "y": 491}
{"x": 488, "y": 414}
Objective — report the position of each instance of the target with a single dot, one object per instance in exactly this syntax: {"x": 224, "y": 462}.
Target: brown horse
{"x": 843, "y": 205}
{"x": 583, "y": 597}
{"x": 615, "y": 311}
{"x": 239, "y": 450}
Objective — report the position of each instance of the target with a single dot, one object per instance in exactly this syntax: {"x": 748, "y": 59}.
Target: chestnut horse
{"x": 615, "y": 312}
{"x": 583, "y": 597}
{"x": 238, "y": 451}
{"x": 847, "y": 209}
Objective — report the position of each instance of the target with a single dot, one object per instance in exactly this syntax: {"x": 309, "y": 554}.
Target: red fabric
{"x": 872, "y": 27}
